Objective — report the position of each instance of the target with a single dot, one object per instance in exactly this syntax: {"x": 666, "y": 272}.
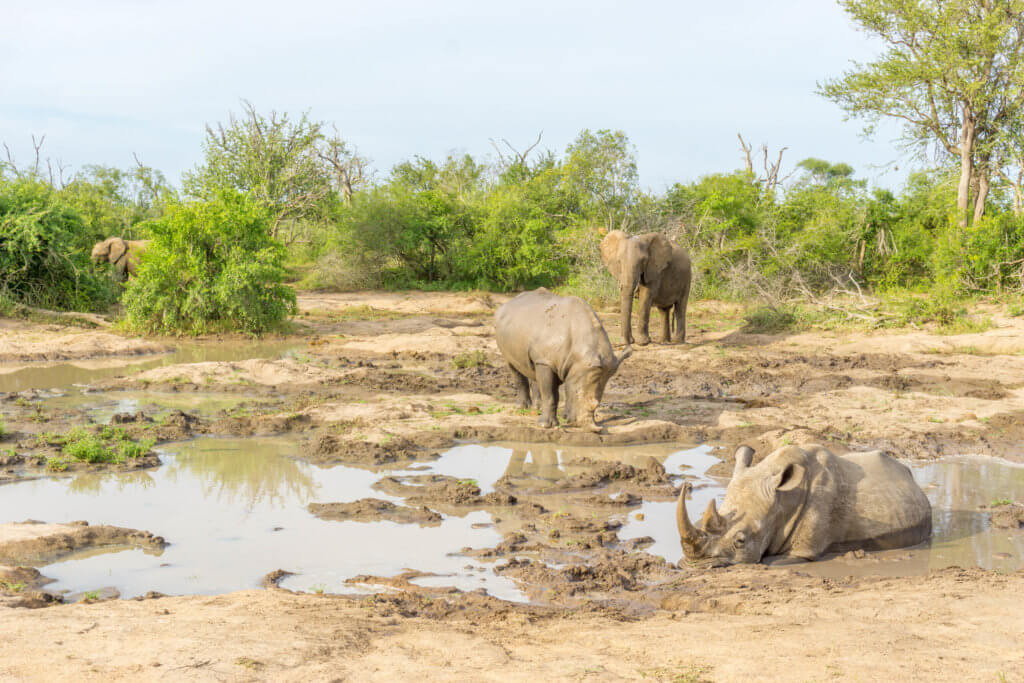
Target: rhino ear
{"x": 789, "y": 477}
{"x": 744, "y": 456}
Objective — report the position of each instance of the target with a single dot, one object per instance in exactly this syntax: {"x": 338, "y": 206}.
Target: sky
{"x": 104, "y": 80}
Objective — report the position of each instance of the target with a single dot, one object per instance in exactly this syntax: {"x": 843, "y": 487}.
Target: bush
{"x": 110, "y": 445}
{"x": 44, "y": 251}
{"x": 212, "y": 266}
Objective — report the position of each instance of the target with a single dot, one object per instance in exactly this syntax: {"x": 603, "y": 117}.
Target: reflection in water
{"x": 92, "y": 484}
{"x": 40, "y": 375}
{"x": 100, "y": 407}
{"x": 235, "y": 509}
{"x": 247, "y": 473}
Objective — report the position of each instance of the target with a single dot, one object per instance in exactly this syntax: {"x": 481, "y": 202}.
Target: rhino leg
{"x": 548, "y": 382}
{"x": 522, "y": 388}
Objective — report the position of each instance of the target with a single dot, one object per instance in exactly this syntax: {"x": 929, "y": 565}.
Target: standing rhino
{"x": 801, "y": 501}
{"x": 557, "y": 341}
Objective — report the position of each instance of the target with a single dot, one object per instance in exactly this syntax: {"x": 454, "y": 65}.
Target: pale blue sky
{"x": 103, "y": 79}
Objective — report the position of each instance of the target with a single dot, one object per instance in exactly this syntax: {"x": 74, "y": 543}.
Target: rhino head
{"x": 761, "y": 506}
{"x": 586, "y": 386}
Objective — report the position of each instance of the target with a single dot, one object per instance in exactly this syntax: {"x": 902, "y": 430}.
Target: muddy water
{"x": 235, "y": 509}
{"x": 962, "y": 535}
{"x": 45, "y": 375}
{"x": 100, "y": 407}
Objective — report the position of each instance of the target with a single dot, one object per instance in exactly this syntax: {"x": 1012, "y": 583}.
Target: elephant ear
{"x": 612, "y": 255}
{"x": 118, "y": 247}
{"x": 659, "y": 256}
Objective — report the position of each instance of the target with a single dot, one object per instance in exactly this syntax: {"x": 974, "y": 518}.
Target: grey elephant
{"x": 800, "y": 502}
{"x": 124, "y": 254}
{"x": 657, "y": 267}
{"x": 557, "y": 342}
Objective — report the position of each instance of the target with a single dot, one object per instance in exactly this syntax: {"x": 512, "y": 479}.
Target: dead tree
{"x": 514, "y": 156}
{"x": 770, "y": 180}
{"x": 349, "y": 170}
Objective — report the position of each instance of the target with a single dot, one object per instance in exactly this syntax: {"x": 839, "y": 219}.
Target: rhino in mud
{"x": 554, "y": 341}
{"x": 800, "y": 502}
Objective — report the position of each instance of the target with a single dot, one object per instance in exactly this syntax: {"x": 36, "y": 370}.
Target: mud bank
{"x": 376, "y": 393}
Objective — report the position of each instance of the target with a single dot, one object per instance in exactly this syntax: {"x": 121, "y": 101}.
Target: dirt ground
{"x": 378, "y": 380}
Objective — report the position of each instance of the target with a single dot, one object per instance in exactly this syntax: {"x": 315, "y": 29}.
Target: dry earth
{"x": 380, "y": 379}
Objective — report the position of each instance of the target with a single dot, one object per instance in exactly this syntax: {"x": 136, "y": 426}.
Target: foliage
{"x": 953, "y": 74}
{"x": 110, "y": 445}
{"x": 291, "y": 168}
{"x": 44, "y": 250}
{"x": 212, "y": 266}
{"x": 459, "y": 223}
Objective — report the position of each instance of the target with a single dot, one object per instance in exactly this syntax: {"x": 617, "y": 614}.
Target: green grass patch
{"x": 109, "y": 445}
{"x": 470, "y": 359}
{"x": 366, "y": 312}
{"x": 771, "y": 319}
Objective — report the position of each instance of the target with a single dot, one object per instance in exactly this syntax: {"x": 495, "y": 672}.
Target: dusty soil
{"x": 382, "y": 381}
{"x": 743, "y": 624}
{"x": 25, "y": 341}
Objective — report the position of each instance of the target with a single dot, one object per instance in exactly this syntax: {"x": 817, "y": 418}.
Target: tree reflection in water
{"x": 93, "y": 483}
{"x": 249, "y": 471}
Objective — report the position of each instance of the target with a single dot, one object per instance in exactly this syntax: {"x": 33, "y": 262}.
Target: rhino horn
{"x": 712, "y": 521}
{"x": 689, "y": 535}
{"x": 625, "y": 354}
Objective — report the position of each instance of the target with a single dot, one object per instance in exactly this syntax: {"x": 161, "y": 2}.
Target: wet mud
{"x": 362, "y": 432}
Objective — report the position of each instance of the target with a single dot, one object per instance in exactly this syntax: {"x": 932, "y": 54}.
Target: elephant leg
{"x": 643, "y": 337}
{"x": 626, "y": 304}
{"x": 548, "y": 382}
{"x": 666, "y": 320}
{"x": 522, "y": 388}
{"x": 680, "y": 314}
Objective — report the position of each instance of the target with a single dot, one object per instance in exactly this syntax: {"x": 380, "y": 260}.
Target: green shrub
{"x": 87, "y": 448}
{"x": 212, "y": 266}
{"x": 44, "y": 251}
{"x": 110, "y": 445}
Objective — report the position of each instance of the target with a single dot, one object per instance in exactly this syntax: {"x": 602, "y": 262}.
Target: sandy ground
{"x": 952, "y": 626}
{"x": 379, "y": 379}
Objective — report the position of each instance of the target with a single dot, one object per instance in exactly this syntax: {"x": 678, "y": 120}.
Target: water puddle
{"x": 235, "y": 509}
{"x": 962, "y": 535}
{"x": 100, "y": 407}
{"x": 48, "y": 375}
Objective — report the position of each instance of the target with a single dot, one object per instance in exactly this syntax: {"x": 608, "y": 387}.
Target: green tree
{"x": 952, "y": 72}
{"x": 601, "y": 168}
{"x": 44, "y": 250}
{"x": 273, "y": 158}
{"x": 212, "y": 266}
{"x": 113, "y": 202}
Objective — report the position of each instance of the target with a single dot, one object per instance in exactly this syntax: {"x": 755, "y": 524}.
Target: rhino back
{"x": 883, "y": 505}
{"x": 539, "y": 327}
